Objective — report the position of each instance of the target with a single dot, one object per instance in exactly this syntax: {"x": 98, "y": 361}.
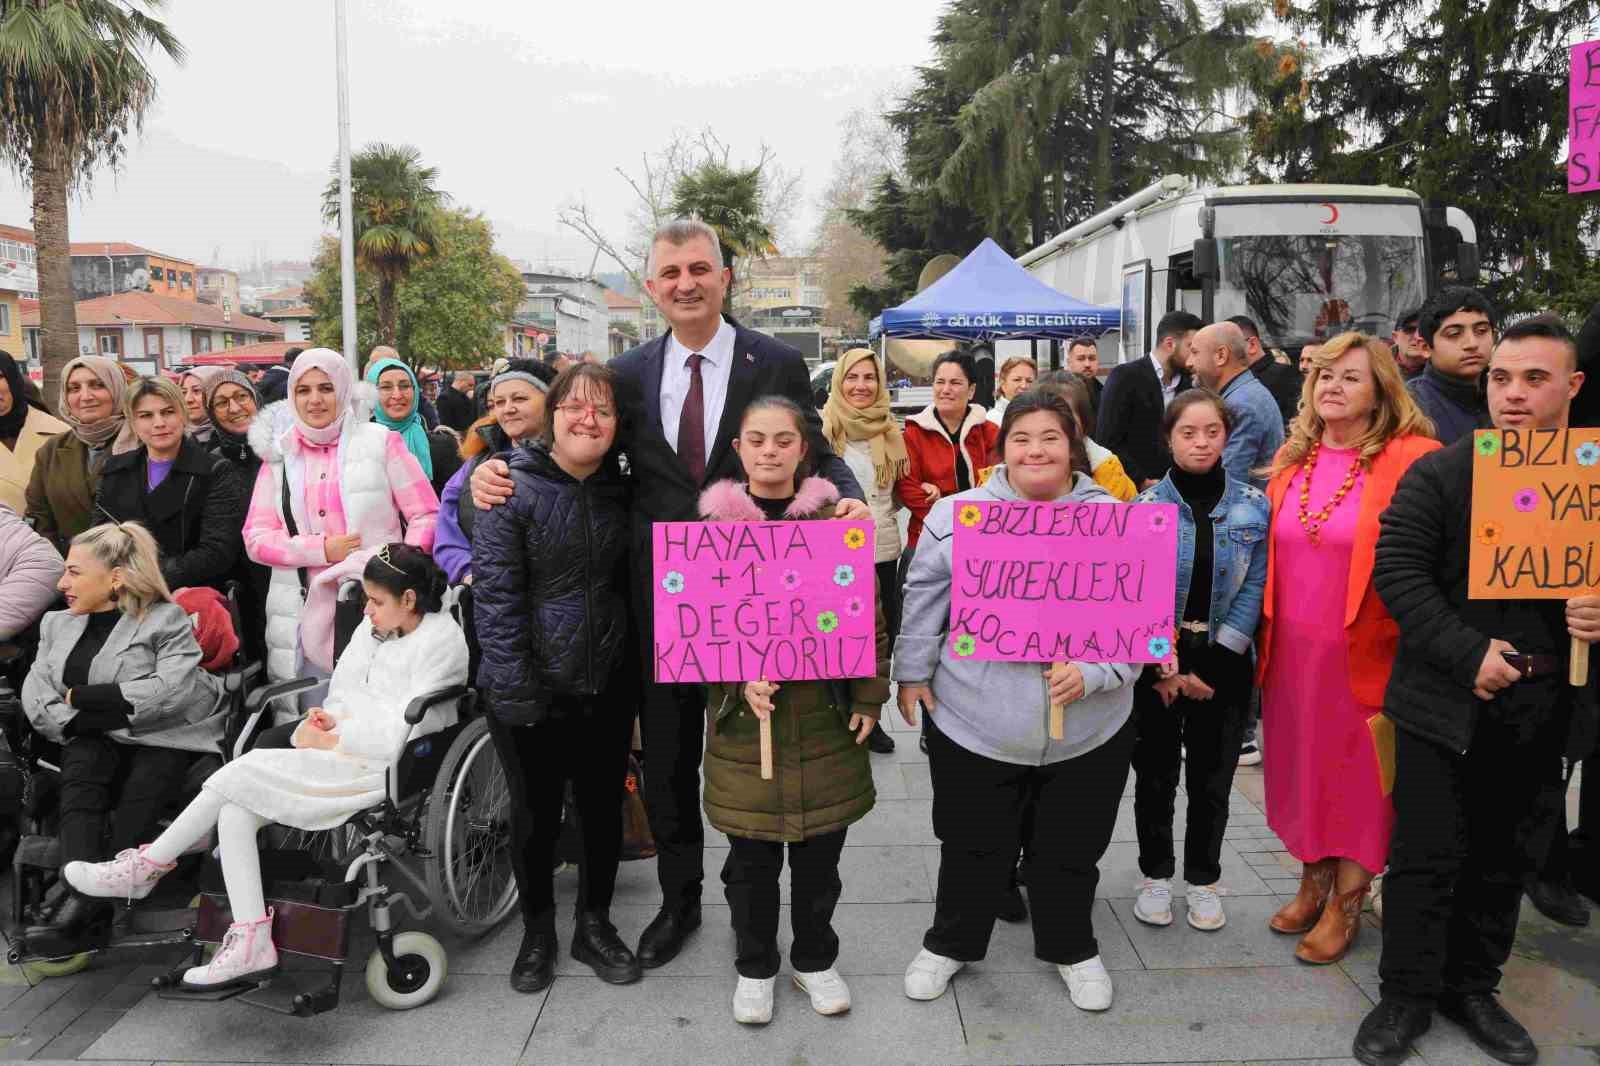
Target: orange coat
{"x": 1371, "y": 635}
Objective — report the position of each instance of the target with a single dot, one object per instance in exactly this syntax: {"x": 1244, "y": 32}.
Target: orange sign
{"x": 1535, "y": 514}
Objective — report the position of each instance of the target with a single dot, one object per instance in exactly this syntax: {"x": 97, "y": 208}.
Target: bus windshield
{"x": 1304, "y": 288}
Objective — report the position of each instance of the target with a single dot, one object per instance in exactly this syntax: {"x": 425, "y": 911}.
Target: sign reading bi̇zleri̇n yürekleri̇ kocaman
{"x": 1052, "y": 582}
{"x": 764, "y": 601}
{"x": 1535, "y": 514}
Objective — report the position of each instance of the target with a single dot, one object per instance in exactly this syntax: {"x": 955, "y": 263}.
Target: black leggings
{"x": 97, "y": 772}
{"x": 585, "y": 741}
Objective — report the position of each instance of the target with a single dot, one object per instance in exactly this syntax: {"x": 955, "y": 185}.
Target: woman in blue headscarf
{"x": 398, "y": 409}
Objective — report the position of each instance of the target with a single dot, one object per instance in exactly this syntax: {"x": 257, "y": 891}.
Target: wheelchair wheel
{"x": 468, "y": 837}
{"x": 418, "y": 950}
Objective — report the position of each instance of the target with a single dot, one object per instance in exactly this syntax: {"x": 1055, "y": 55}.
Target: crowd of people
{"x": 1321, "y": 585}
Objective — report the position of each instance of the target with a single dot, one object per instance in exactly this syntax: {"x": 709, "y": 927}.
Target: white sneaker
{"x": 1249, "y": 754}
{"x": 1205, "y": 908}
{"x": 929, "y": 975}
{"x": 1154, "y": 905}
{"x": 247, "y": 954}
{"x": 752, "y": 1000}
{"x": 829, "y": 994}
{"x": 1088, "y": 984}
{"x": 129, "y": 876}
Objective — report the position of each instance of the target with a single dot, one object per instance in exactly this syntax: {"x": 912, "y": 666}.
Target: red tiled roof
{"x": 291, "y": 312}
{"x": 293, "y": 293}
{"x": 120, "y": 248}
{"x": 615, "y": 301}
{"x": 263, "y": 353}
{"x": 17, "y": 233}
{"x": 148, "y": 309}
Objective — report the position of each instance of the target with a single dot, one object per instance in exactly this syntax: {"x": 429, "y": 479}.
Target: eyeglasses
{"x": 240, "y": 402}
{"x": 389, "y": 388}
{"x": 599, "y": 412}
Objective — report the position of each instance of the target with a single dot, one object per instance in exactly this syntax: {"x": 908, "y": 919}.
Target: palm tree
{"x": 728, "y": 200}
{"x": 396, "y": 208}
{"x": 73, "y": 81}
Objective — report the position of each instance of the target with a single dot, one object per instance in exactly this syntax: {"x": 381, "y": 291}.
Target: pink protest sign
{"x": 1583, "y": 118}
{"x": 1052, "y": 582}
{"x": 764, "y": 601}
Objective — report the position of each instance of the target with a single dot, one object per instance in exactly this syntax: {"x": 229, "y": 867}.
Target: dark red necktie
{"x": 692, "y": 423}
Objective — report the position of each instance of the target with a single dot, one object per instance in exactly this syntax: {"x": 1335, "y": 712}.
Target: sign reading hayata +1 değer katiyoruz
{"x": 1063, "y": 581}
{"x": 764, "y": 601}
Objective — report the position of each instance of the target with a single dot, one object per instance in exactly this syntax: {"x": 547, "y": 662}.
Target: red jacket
{"x": 1371, "y": 635}
{"x": 933, "y": 459}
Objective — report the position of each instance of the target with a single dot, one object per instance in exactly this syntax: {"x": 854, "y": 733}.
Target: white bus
{"x": 1305, "y": 262}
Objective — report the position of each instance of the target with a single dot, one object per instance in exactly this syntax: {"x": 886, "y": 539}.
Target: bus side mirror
{"x": 1205, "y": 266}
{"x": 1467, "y": 263}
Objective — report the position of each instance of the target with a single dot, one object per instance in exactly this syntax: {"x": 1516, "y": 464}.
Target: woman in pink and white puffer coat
{"x": 351, "y": 486}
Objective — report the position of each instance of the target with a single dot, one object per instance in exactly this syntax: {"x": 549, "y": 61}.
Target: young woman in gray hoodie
{"x": 999, "y": 781}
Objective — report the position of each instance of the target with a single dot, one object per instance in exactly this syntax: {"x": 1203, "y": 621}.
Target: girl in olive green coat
{"x": 821, "y": 779}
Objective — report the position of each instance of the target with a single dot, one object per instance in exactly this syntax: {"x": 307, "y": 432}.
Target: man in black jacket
{"x": 700, "y": 376}
{"x": 1136, "y": 396}
{"x": 1483, "y": 711}
{"x": 1281, "y": 379}
{"x": 456, "y": 407}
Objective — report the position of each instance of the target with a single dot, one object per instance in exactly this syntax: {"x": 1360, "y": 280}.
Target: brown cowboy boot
{"x": 1301, "y": 913}
{"x": 1335, "y": 930}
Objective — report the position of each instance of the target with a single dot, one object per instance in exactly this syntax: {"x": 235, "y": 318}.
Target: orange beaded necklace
{"x": 1312, "y": 523}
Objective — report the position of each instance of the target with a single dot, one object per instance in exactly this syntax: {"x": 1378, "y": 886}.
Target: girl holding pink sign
{"x": 822, "y": 782}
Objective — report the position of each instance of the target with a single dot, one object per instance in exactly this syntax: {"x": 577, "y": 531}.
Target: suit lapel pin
{"x": 749, "y": 358}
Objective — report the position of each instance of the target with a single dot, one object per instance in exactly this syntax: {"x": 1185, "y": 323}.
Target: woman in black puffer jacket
{"x": 550, "y": 600}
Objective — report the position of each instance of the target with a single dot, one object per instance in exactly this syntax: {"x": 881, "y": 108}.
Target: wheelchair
{"x": 439, "y": 845}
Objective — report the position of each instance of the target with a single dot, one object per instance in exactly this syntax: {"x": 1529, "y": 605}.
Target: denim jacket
{"x": 1239, "y": 524}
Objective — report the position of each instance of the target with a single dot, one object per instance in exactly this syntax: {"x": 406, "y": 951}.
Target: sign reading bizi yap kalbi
{"x": 1053, "y": 582}
{"x": 1535, "y": 514}
{"x": 764, "y": 601}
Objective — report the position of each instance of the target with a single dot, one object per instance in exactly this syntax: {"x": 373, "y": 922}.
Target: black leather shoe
{"x": 595, "y": 943}
{"x": 79, "y": 923}
{"x": 664, "y": 937}
{"x": 1491, "y": 1027}
{"x": 1387, "y": 1031}
{"x": 535, "y": 967}
{"x": 1013, "y": 908}
{"x": 1559, "y": 901}
{"x": 879, "y": 742}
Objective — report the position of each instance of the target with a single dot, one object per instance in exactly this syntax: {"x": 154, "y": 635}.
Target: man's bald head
{"x": 1218, "y": 354}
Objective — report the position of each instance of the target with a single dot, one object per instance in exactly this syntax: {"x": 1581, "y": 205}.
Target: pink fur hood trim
{"x": 729, "y": 501}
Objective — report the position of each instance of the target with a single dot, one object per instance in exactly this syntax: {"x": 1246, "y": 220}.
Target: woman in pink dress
{"x": 1327, "y": 643}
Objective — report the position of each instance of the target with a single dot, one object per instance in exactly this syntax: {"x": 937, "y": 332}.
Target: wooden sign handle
{"x": 766, "y": 748}
{"x": 1578, "y": 670}
{"x": 1058, "y": 711}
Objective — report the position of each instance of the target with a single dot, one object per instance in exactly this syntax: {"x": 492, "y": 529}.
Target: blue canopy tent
{"x": 988, "y": 297}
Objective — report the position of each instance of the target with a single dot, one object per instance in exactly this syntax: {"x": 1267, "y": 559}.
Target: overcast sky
{"x": 521, "y": 106}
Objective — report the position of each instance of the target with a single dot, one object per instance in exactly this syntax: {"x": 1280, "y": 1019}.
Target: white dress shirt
{"x": 715, "y": 368}
{"x": 1169, "y": 389}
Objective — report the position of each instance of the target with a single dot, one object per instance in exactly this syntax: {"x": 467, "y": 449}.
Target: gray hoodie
{"x": 999, "y": 710}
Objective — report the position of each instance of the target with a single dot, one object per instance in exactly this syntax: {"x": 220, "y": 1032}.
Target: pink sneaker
{"x": 129, "y": 876}
{"x": 246, "y": 955}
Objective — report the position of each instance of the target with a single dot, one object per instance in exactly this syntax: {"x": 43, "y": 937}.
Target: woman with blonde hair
{"x": 1327, "y": 643}
{"x": 118, "y": 684}
{"x": 1017, "y": 374}
{"x": 862, "y": 429}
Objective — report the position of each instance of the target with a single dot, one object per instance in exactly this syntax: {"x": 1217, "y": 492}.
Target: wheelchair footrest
{"x": 207, "y": 995}
{"x": 298, "y": 928}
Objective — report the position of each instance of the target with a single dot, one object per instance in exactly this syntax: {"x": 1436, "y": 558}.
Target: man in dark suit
{"x": 1136, "y": 396}
{"x": 684, "y": 394}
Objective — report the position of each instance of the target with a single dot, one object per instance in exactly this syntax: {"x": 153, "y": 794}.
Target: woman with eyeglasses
{"x": 550, "y": 601}
{"x": 400, "y": 409}
{"x": 333, "y": 488}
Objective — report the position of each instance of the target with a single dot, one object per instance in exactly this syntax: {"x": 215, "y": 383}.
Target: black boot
{"x": 879, "y": 742}
{"x": 1558, "y": 900}
{"x": 664, "y": 937}
{"x": 595, "y": 943}
{"x": 79, "y": 923}
{"x": 1387, "y": 1031}
{"x": 1491, "y": 1027}
{"x": 535, "y": 967}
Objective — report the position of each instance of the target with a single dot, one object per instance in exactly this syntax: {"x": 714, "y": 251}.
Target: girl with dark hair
{"x": 1000, "y": 783}
{"x": 1201, "y": 705}
{"x": 337, "y": 767}
{"x": 24, "y": 429}
{"x": 822, "y": 781}
{"x": 949, "y": 443}
{"x": 558, "y": 674}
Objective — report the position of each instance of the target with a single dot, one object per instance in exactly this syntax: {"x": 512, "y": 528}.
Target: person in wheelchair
{"x": 117, "y": 684}
{"x": 336, "y": 769}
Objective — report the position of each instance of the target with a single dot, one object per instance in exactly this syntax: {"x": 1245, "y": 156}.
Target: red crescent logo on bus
{"x": 1333, "y": 215}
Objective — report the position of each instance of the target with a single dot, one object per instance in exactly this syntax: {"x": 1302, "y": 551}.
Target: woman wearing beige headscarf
{"x": 861, "y": 429}
{"x": 66, "y": 471}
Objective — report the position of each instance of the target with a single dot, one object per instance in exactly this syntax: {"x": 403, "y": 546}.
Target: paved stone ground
{"x": 1236, "y": 995}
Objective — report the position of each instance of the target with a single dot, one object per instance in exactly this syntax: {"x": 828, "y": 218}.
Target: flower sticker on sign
{"x": 1159, "y": 522}
{"x": 1160, "y": 647}
{"x": 844, "y": 576}
{"x": 1587, "y": 453}
{"x": 1525, "y": 500}
{"x": 827, "y": 621}
{"x": 970, "y": 515}
{"x": 853, "y": 607}
{"x": 1489, "y": 534}
{"x": 855, "y": 538}
{"x": 1488, "y": 443}
{"x": 791, "y": 579}
{"x": 965, "y": 645}
{"x": 673, "y": 582}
